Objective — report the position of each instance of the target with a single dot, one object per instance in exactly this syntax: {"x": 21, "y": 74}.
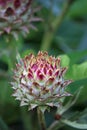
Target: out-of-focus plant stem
{"x": 41, "y": 119}
{"x": 53, "y": 27}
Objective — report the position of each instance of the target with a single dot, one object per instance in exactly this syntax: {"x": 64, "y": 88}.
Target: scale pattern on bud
{"x": 17, "y": 16}
{"x": 39, "y": 80}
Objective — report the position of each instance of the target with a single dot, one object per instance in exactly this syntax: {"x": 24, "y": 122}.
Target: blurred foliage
{"x": 69, "y": 41}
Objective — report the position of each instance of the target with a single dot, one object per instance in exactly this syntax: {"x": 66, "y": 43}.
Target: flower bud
{"x": 39, "y": 80}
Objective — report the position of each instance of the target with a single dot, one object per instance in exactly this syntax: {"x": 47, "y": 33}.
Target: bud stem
{"x": 41, "y": 119}
{"x": 54, "y": 25}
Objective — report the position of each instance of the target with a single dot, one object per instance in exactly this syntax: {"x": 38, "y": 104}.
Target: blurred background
{"x": 63, "y": 32}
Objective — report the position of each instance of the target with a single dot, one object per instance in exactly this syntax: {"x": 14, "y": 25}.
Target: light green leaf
{"x": 77, "y": 71}
{"x": 65, "y": 60}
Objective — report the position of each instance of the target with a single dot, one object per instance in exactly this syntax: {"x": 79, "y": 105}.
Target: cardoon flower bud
{"x": 39, "y": 81}
{"x": 17, "y": 16}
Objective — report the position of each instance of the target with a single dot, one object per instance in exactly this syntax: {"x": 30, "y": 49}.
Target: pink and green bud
{"x": 39, "y": 80}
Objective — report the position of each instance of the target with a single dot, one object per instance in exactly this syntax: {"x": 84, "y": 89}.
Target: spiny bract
{"x": 39, "y": 80}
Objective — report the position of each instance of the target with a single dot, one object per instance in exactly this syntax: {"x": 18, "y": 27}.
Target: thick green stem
{"x": 49, "y": 33}
{"x": 41, "y": 119}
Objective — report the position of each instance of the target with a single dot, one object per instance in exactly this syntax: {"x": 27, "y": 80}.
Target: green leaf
{"x": 77, "y": 71}
{"x": 72, "y": 58}
{"x": 74, "y": 124}
{"x": 77, "y": 84}
{"x": 79, "y": 8}
{"x": 72, "y": 88}
{"x": 65, "y": 60}
{"x": 76, "y": 56}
